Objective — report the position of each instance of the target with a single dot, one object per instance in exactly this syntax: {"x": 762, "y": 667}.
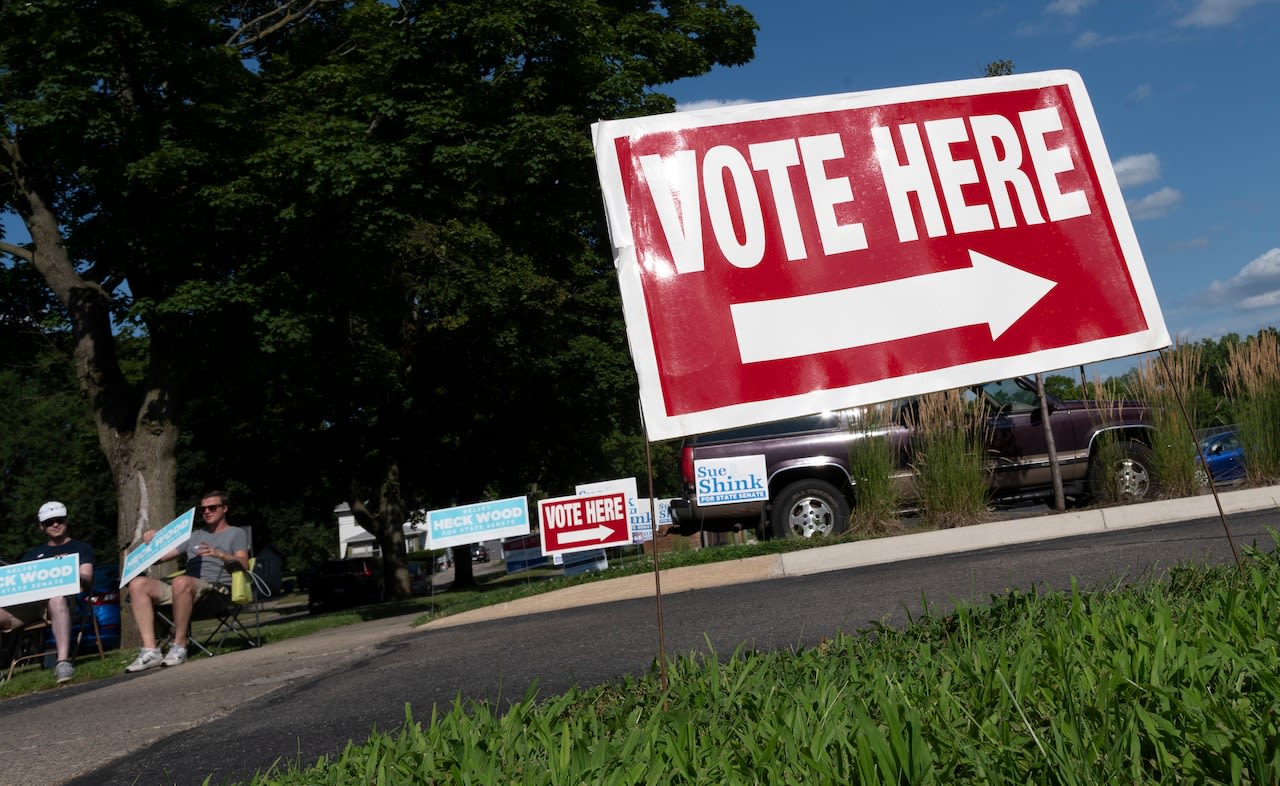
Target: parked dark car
{"x": 810, "y": 492}
{"x": 342, "y": 583}
{"x": 420, "y": 578}
{"x": 1224, "y": 455}
{"x": 479, "y": 553}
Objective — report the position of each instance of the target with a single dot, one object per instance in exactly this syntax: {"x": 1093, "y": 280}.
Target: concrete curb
{"x": 1005, "y": 533}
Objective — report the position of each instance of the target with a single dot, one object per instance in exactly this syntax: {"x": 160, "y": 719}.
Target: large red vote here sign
{"x": 784, "y": 258}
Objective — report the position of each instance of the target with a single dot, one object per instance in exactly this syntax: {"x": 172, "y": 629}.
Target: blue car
{"x": 1225, "y": 456}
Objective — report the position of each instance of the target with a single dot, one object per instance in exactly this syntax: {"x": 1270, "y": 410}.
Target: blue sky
{"x": 1185, "y": 92}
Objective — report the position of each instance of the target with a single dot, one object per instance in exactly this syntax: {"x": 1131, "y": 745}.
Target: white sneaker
{"x": 176, "y": 656}
{"x": 147, "y": 658}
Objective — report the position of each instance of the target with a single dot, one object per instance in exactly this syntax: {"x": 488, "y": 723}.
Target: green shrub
{"x": 873, "y": 466}
{"x": 1253, "y": 383}
{"x": 1171, "y": 383}
{"x": 948, "y": 454}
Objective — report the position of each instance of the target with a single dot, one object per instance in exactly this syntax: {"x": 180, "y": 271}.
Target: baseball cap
{"x": 52, "y": 510}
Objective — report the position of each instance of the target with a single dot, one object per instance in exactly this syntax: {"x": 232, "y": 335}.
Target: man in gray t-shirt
{"x": 213, "y": 552}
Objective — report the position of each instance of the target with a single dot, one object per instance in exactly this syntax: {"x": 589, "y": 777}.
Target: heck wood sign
{"x": 783, "y": 258}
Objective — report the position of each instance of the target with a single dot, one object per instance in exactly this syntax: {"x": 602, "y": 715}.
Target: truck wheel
{"x": 1129, "y": 477}
{"x": 808, "y": 509}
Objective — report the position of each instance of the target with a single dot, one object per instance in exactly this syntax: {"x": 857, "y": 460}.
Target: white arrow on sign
{"x": 597, "y": 533}
{"x": 990, "y": 292}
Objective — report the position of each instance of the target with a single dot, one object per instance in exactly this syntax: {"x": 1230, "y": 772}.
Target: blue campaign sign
{"x": 640, "y": 512}
{"x": 39, "y": 579}
{"x": 170, "y": 536}
{"x": 503, "y": 518}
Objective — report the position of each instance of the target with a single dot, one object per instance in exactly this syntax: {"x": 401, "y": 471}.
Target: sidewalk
{"x": 50, "y": 739}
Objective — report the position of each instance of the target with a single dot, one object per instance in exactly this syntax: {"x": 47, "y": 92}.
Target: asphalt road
{"x": 500, "y": 660}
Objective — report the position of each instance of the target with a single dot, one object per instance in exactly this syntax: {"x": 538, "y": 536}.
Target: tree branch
{"x": 263, "y": 26}
{"x": 17, "y": 251}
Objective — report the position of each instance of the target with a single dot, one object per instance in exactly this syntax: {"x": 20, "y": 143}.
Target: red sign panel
{"x": 571, "y": 524}
{"x": 784, "y": 258}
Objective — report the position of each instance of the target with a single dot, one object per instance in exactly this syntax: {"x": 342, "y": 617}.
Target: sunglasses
{"x": 55, "y": 520}
{"x": 207, "y": 508}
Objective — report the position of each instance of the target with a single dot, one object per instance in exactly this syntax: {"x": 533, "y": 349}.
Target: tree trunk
{"x": 386, "y": 525}
{"x": 137, "y": 430}
{"x": 464, "y": 576}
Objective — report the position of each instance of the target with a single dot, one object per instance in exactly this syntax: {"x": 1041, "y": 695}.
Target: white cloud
{"x": 712, "y": 103}
{"x": 1215, "y": 13}
{"x": 1154, "y": 205}
{"x": 1067, "y": 7}
{"x": 1257, "y": 285}
{"x": 1265, "y": 300}
{"x": 1140, "y": 93}
{"x": 1087, "y": 40}
{"x": 1136, "y": 170}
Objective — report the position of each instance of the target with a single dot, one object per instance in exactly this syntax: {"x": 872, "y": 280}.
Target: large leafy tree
{"x": 117, "y": 119}
{"x": 456, "y": 202}
{"x": 361, "y": 238}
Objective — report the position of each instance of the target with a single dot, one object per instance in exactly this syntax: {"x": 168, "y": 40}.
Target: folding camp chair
{"x": 234, "y": 620}
{"x": 231, "y": 617}
{"x": 34, "y": 642}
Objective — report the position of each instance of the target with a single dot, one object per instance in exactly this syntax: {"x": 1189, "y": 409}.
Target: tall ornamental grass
{"x": 948, "y": 454}
{"x": 1253, "y": 384}
{"x": 873, "y": 467}
{"x": 1172, "y": 680}
{"x": 1163, "y": 382}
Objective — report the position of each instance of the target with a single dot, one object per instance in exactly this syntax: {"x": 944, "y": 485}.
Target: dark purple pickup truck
{"x": 807, "y": 460}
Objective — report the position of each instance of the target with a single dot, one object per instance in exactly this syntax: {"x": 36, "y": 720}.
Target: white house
{"x": 354, "y": 541}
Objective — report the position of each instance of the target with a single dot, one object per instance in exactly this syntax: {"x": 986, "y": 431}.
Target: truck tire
{"x": 809, "y": 509}
{"x": 1130, "y": 477}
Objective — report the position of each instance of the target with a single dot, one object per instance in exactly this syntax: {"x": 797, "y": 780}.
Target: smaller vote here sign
{"x": 582, "y": 523}
{"x": 784, "y": 258}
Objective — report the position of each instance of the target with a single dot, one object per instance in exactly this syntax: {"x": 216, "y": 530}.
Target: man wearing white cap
{"x": 58, "y": 542}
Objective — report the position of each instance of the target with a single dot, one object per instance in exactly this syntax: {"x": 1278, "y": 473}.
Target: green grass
{"x": 1168, "y": 680}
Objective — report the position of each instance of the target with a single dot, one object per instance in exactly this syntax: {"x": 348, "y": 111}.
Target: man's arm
{"x": 172, "y": 553}
{"x": 86, "y": 565}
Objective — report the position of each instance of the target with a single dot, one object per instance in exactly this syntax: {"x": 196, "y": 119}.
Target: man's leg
{"x": 8, "y": 637}
{"x": 184, "y": 601}
{"x": 144, "y": 592}
{"x": 60, "y": 619}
